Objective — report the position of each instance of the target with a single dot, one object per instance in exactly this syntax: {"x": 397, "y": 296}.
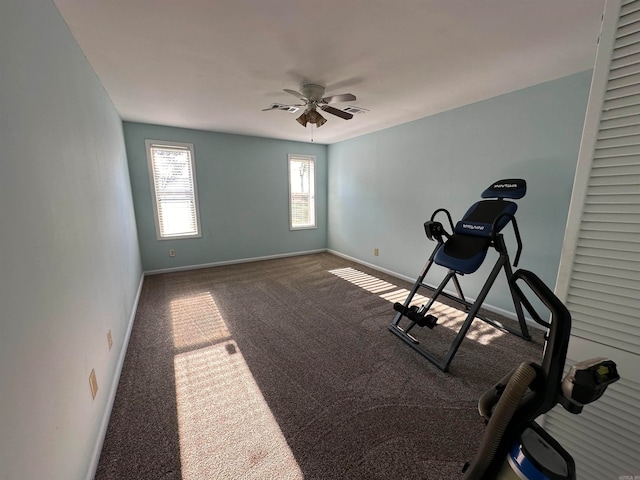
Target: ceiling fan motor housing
{"x": 312, "y": 91}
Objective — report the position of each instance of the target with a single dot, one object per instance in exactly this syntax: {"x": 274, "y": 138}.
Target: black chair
{"x": 462, "y": 252}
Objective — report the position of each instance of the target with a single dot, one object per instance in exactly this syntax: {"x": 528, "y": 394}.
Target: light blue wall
{"x": 243, "y": 192}
{"x": 69, "y": 260}
{"x": 384, "y": 185}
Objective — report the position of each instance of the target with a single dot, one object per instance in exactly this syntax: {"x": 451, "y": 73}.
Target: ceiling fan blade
{"x": 296, "y": 94}
{"x": 344, "y": 97}
{"x": 280, "y": 106}
{"x": 337, "y": 112}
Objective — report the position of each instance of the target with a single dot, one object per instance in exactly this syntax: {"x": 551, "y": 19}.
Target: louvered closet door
{"x": 599, "y": 277}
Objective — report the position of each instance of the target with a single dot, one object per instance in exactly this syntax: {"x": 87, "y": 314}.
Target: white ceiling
{"x": 215, "y": 64}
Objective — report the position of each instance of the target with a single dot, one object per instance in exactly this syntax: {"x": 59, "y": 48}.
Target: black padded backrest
{"x": 480, "y": 217}
{"x": 509, "y": 188}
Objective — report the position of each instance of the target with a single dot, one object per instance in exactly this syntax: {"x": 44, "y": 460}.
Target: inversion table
{"x": 462, "y": 252}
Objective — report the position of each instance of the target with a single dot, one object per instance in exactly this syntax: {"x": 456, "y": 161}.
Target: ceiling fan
{"x": 312, "y": 96}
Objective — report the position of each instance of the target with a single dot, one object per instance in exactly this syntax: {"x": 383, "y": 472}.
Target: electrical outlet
{"x": 375, "y": 252}
{"x": 93, "y": 383}
{"x": 172, "y": 253}
{"x": 109, "y": 339}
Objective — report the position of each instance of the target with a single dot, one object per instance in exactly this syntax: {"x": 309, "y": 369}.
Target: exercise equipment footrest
{"x": 412, "y": 314}
{"x": 428, "y": 321}
{"x": 398, "y": 307}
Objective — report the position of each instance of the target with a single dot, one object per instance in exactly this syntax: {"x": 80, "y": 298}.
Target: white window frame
{"x": 154, "y": 193}
{"x": 312, "y": 193}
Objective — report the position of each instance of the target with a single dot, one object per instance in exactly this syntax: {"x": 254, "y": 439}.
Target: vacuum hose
{"x": 518, "y": 383}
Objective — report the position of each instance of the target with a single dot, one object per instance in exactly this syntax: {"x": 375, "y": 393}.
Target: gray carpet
{"x": 283, "y": 369}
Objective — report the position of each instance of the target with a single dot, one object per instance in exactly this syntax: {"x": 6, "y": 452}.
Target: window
{"x": 173, "y": 186}
{"x": 302, "y": 191}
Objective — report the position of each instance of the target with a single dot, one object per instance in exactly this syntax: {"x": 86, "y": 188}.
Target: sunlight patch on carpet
{"x": 448, "y": 317}
{"x": 226, "y": 428}
{"x": 196, "y": 320}
{"x": 368, "y": 282}
{"x": 401, "y": 294}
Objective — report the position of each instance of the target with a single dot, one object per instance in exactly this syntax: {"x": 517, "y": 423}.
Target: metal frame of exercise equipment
{"x": 421, "y": 317}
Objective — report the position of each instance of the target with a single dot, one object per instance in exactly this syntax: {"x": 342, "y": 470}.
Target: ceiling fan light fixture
{"x": 314, "y": 117}
{"x": 302, "y": 119}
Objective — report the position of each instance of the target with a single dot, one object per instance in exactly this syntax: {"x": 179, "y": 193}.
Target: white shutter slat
{"x": 599, "y": 251}
{"x": 626, "y": 50}
{"x": 624, "y": 61}
{"x": 593, "y": 324}
{"x": 624, "y": 70}
{"x": 617, "y": 151}
{"x": 612, "y": 204}
{"x": 628, "y": 345}
{"x": 604, "y": 270}
{"x": 613, "y": 178}
{"x": 613, "y": 198}
{"x": 615, "y": 161}
{"x": 620, "y": 140}
{"x": 628, "y": 161}
{"x": 603, "y": 165}
{"x": 590, "y": 244}
{"x": 632, "y": 121}
{"x": 624, "y": 101}
{"x": 627, "y": 36}
{"x": 627, "y": 27}
{"x": 606, "y": 219}
{"x": 622, "y": 306}
{"x": 601, "y": 188}
{"x": 624, "y": 111}
{"x": 604, "y": 259}
{"x": 620, "y": 285}
{"x": 613, "y": 228}
{"x": 620, "y": 131}
{"x": 608, "y": 238}
{"x": 629, "y": 18}
{"x": 628, "y": 7}
{"x": 625, "y": 86}
{"x": 613, "y": 208}
{"x": 621, "y": 196}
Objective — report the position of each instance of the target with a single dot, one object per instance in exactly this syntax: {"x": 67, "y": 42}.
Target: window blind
{"x": 173, "y": 180}
{"x": 302, "y": 208}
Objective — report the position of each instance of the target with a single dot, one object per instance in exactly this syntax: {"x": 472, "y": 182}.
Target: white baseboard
{"x": 371, "y": 265}
{"x": 104, "y": 424}
{"x": 232, "y": 262}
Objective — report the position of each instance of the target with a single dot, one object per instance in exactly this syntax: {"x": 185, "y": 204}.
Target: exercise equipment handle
{"x": 555, "y": 353}
{"x": 495, "y": 233}
{"x": 435, "y": 230}
{"x": 433, "y": 216}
